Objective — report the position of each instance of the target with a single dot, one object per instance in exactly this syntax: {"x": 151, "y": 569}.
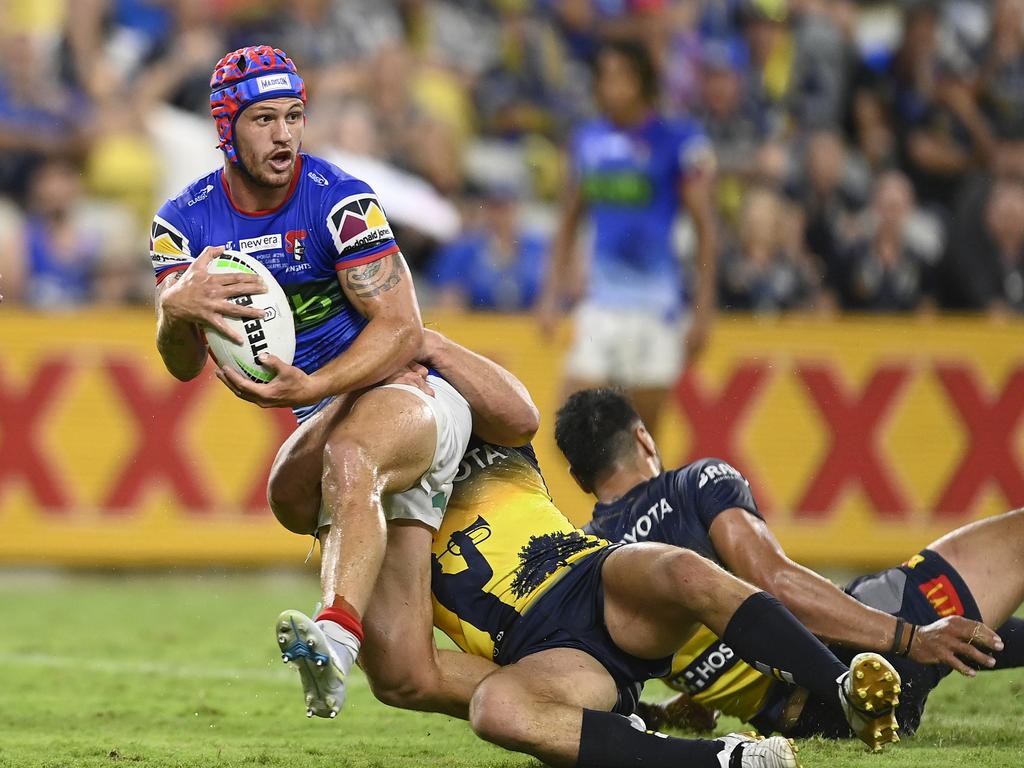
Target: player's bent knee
{"x": 296, "y": 508}
{"x": 493, "y": 713}
{"x": 348, "y": 467}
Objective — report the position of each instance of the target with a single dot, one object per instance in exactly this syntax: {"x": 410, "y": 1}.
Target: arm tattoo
{"x": 374, "y": 278}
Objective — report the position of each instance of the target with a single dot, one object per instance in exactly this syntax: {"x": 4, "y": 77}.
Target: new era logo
{"x": 264, "y": 243}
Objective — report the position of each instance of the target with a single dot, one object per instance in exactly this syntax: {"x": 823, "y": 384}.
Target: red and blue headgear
{"x": 243, "y": 77}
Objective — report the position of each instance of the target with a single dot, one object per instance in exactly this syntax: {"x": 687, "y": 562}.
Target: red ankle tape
{"x": 344, "y": 619}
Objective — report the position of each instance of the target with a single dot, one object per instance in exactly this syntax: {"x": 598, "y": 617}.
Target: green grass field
{"x": 182, "y": 670}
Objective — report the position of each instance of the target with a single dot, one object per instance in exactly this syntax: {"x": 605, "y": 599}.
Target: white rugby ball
{"x": 274, "y": 333}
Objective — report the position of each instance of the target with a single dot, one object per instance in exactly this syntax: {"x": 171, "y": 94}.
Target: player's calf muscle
{"x": 293, "y": 489}
{"x": 419, "y": 689}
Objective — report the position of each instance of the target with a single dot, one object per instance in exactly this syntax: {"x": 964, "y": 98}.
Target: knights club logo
{"x": 357, "y": 222}
{"x": 294, "y": 243}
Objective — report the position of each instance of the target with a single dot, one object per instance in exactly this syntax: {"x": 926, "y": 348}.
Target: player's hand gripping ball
{"x": 274, "y": 333}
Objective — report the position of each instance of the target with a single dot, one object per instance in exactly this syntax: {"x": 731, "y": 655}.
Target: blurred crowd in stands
{"x": 870, "y": 155}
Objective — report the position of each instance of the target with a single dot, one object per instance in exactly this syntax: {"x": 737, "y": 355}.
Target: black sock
{"x": 610, "y": 741}
{"x": 1012, "y": 655}
{"x": 766, "y": 635}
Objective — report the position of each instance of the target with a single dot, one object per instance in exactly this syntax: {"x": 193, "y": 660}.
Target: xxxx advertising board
{"x": 862, "y": 439}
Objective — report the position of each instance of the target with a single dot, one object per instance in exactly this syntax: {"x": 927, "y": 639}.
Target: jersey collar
{"x": 266, "y": 211}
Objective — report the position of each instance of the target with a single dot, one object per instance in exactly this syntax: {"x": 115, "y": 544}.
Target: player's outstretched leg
{"x": 304, "y": 645}
{"x": 986, "y": 555}
{"x": 383, "y": 445}
{"x": 653, "y": 593}
{"x": 869, "y": 695}
{"x": 554, "y": 705}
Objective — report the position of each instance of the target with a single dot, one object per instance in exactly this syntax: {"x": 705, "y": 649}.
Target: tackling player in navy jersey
{"x": 924, "y": 614}
{"x": 361, "y": 454}
{"x": 577, "y": 624}
{"x": 632, "y": 173}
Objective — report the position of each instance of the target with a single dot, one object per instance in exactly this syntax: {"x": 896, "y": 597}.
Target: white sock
{"x": 344, "y": 645}
{"x": 844, "y": 693}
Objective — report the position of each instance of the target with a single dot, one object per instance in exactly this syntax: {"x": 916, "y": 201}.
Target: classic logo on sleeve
{"x": 167, "y": 245}
{"x": 357, "y": 223}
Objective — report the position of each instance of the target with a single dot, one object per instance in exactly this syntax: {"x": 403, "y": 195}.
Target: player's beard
{"x": 258, "y": 180}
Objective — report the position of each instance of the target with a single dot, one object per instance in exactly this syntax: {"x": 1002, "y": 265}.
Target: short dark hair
{"x": 640, "y": 61}
{"x": 593, "y": 430}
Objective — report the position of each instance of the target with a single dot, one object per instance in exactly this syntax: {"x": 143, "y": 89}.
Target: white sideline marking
{"x": 165, "y": 669}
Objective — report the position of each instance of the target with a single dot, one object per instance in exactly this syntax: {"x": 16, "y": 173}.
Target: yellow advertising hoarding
{"x": 863, "y": 439}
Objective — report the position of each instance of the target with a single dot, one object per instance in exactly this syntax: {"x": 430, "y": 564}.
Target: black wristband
{"x": 910, "y": 641}
{"x": 897, "y": 639}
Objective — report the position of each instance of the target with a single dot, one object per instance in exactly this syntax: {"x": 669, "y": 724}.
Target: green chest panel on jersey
{"x": 624, "y": 187}
{"x": 314, "y": 302}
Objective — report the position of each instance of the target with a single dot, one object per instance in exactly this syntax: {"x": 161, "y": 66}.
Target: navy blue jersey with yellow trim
{"x": 502, "y": 544}
{"x": 676, "y": 507}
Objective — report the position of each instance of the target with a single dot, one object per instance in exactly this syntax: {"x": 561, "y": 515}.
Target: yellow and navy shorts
{"x": 922, "y": 590}
{"x": 571, "y": 615}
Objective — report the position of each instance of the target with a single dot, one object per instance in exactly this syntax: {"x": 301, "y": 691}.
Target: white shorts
{"x": 627, "y": 348}
{"x": 427, "y": 500}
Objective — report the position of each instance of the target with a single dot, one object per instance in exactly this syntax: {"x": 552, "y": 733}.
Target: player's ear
{"x": 643, "y": 437}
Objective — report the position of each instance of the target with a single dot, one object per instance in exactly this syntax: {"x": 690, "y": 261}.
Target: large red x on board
{"x": 717, "y": 419}
{"x": 991, "y": 423}
{"x": 284, "y": 422}
{"x": 854, "y": 423}
{"x": 21, "y": 414}
{"x": 158, "y": 416}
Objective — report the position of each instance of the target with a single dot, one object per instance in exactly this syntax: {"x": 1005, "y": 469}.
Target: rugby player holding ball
{"x": 362, "y": 454}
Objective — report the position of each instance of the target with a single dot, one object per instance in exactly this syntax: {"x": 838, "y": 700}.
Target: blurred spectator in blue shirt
{"x": 586, "y": 24}
{"x": 734, "y": 121}
{"x": 681, "y": 56}
{"x": 39, "y": 117}
{"x": 63, "y": 258}
{"x": 525, "y": 91}
{"x": 496, "y": 265}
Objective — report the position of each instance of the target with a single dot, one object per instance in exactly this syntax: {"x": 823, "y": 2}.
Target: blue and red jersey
{"x": 329, "y": 222}
{"x": 630, "y": 182}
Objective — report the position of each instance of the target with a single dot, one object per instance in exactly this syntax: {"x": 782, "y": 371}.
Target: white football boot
{"x": 747, "y": 750}
{"x": 869, "y": 693}
{"x": 304, "y": 646}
